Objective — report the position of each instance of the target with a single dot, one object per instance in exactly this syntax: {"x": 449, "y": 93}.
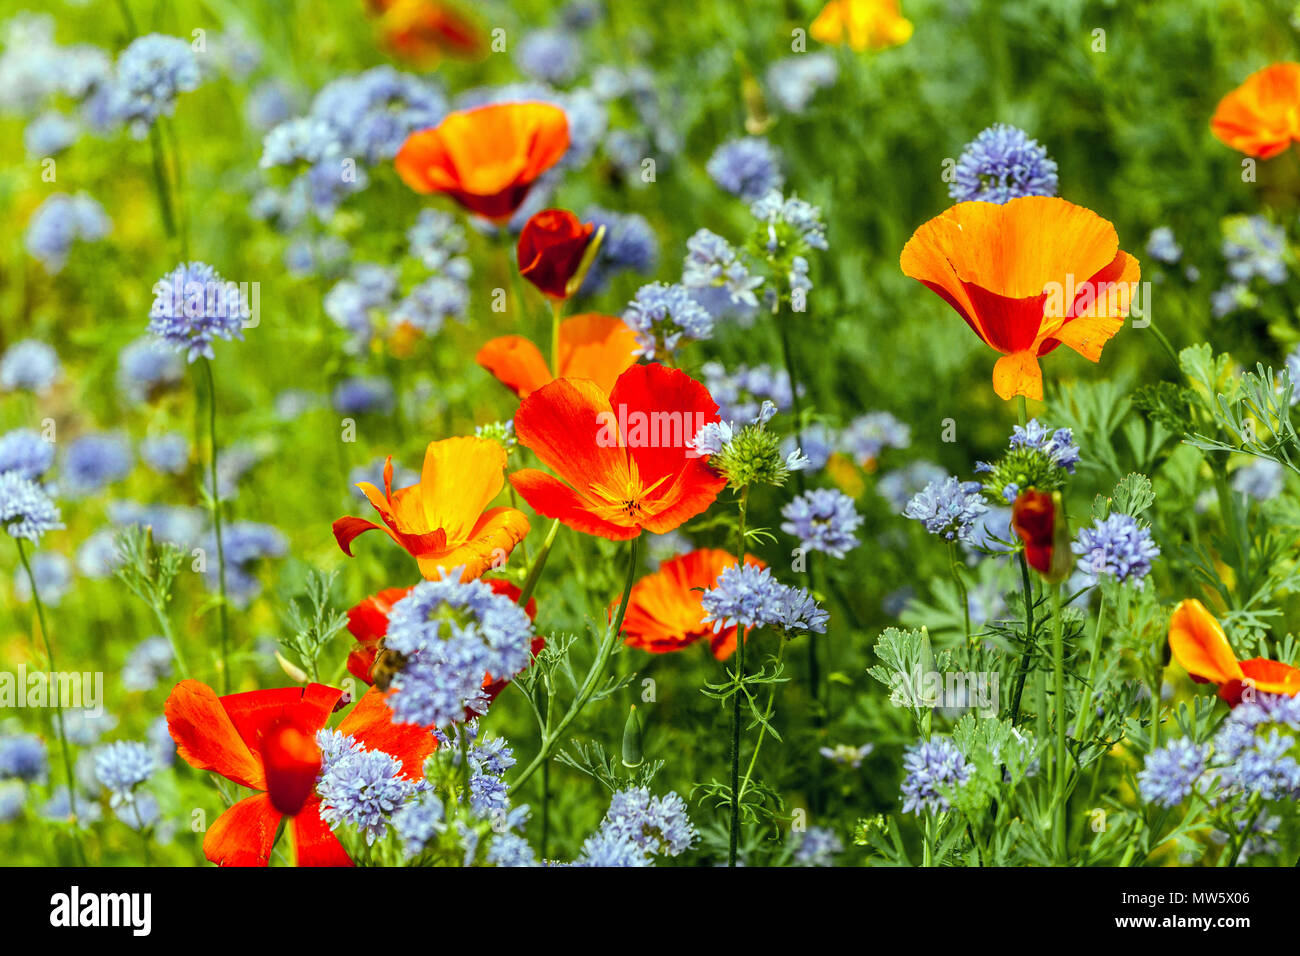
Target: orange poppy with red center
{"x": 551, "y": 248}
{"x": 423, "y": 31}
{"x": 368, "y": 623}
{"x": 624, "y": 458}
{"x": 266, "y": 740}
{"x": 1262, "y": 116}
{"x": 442, "y": 521}
{"x": 664, "y": 610}
{"x": 1027, "y": 276}
{"x": 1200, "y": 646}
{"x": 593, "y": 346}
{"x": 487, "y": 158}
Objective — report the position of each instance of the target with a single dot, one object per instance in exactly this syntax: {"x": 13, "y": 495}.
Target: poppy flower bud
{"x": 292, "y": 761}
{"x": 555, "y": 250}
{"x": 633, "y": 753}
{"x": 1039, "y": 519}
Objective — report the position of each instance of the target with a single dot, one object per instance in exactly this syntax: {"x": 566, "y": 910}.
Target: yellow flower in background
{"x": 862, "y": 24}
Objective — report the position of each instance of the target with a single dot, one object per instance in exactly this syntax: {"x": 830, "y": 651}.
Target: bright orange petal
{"x": 571, "y": 426}
{"x": 493, "y": 538}
{"x": 206, "y": 737}
{"x": 1018, "y": 374}
{"x": 516, "y": 363}
{"x": 1199, "y": 644}
{"x": 1271, "y": 677}
{"x": 598, "y": 347}
{"x": 460, "y": 476}
{"x": 553, "y": 498}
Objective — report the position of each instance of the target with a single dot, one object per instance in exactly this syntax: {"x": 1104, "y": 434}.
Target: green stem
{"x": 216, "y": 525}
{"x": 539, "y": 562}
{"x": 1160, "y": 336}
{"x": 741, "y": 637}
{"x": 58, "y": 703}
{"x": 557, "y": 308}
{"x": 161, "y": 185}
{"x": 961, "y": 588}
{"x": 762, "y": 730}
{"x": 594, "y": 674}
{"x": 1058, "y": 690}
{"x": 1027, "y": 654}
{"x": 1084, "y": 723}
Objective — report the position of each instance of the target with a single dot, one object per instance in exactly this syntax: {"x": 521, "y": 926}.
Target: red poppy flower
{"x": 488, "y": 158}
{"x": 266, "y": 740}
{"x": 368, "y": 623}
{"x": 598, "y": 347}
{"x": 1038, "y": 519}
{"x": 664, "y": 611}
{"x": 422, "y": 31}
{"x": 624, "y": 457}
{"x": 1027, "y": 276}
{"x": 551, "y": 247}
{"x": 441, "y": 521}
{"x": 1262, "y": 116}
{"x": 1200, "y": 646}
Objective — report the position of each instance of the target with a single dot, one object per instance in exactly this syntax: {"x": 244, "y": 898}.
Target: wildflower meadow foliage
{"x": 601, "y": 434}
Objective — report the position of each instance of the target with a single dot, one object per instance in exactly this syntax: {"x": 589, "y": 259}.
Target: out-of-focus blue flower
{"x": 662, "y": 316}
{"x": 419, "y": 821}
{"x": 193, "y": 306}
{"x": 30, "y": 365}
{"x": 510, "y": 849}
{"x": 49, "y": 134}
{"x": 161, "y": 742}
{"x": 451, "y": 633}
{"x": 59, "y": 222}
{"x": 53, "y": 573}
{"x": 93, "y": 462}
{"x": 85, "y": 727}
{"x": 146, "y": 368}
{"x": 552, "y": 56}
{"x": 431, "y": 303}
{"x": 741, "y": 390}
{"x": 59, "y": 808}
{"x": 437, "y": 241}
{"x": 1002, "y": 163}
{"x": 97, "y": 556}
{"x": 868, "y": 435}
{"x": 1261, "y": 479}
{"x": 748, "y": 167}
{"x": 949, "y": 508}
{"x": 23, "y": 757}
{"x": 179, "y": 525}
{"x": 823, "y": 519}
{"x": 166, "y": 454}
{"x": 269, "y": 104}
{"x": 1163, "y": 247}
{"x": 245, "y": 543}
{"x": 352, "y": 302}
{"x": 795, "y": 80}
{"x": 711, "y": 263}
{"x": 362, "y": 395}
{"x": 26, "y": 511}
{"x": 899, "y": 486}
{"x": 1255, "y": 247}
{"x": 376, "y": 110}
{"x": 151, "y": 72}
{"x": 12, "y": 797}
{"x": 1116, "y": 545}
{"x": 802, "y": 218}
{"x": 1169, "y": 774}
{"x": 934, "y": 769}
{"x": 629, "y": 245}
{"x": 24, "y": 452}
{"x": 817, "y": 846}
{"x": 359, "y": 787}
{"x": 121, "y": 767}
{"x": 148, "y": 663}
{"x": 1230, "y": 298}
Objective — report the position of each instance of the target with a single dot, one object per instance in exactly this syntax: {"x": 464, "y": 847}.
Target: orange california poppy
{"x": 266, "y": 740}
{"x": 441, "y": 521}
{"x": 664, "y": 612}
{"x": 625, "y": 456}
{"x": 598, "y": 347}
{"x": 551, "y": 248}
{"x": 861, "y": 24}
{"x": 1262, "y": 116}
{"x": 1199, "y": 644}
{"x": 368, "y": 623}
{"x": 488, "y": 158}
{"x": 423, "y": 31}
{"x": 1027, "y": 276}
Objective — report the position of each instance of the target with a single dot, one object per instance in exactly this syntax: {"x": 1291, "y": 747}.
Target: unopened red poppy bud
{"x": 552, "y": 251}
{"x": 1039, "y": 519}
{"x": 292, "y": 762}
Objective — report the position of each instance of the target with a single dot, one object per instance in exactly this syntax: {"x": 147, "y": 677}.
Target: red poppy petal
{"x": 206, "y": 737}
{"x": 314, "y": 844}
{"x": 254, "y": 712}
{"x": 244, "y": 835}
{"x": 673, "y": 407}
{"x": 348, "y": 528}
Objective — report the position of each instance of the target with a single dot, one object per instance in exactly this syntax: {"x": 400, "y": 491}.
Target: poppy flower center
{"x": 625, "y": 502}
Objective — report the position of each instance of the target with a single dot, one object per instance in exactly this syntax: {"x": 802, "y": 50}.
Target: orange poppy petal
{"x": 516, "y": 363}
{"x": 570, "y": 425}
{"x": 314, "y": 844}
{"x": 460, "y": 476}
{"x": 1272, "y": 677}
{"x": 1261, "y": 117}
{"x": 493, "y": 538}
{"x": 244, "y": 835}
{"x": 553, "y": 498}
{"x": 695, "y": 489}
{"x": 598, "y": 347}
{"x": 1199, "y": 644}
{"x": 1018, "y": 374}
{"x": 206, "y": 737}
{"x": 674, "y": 407}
